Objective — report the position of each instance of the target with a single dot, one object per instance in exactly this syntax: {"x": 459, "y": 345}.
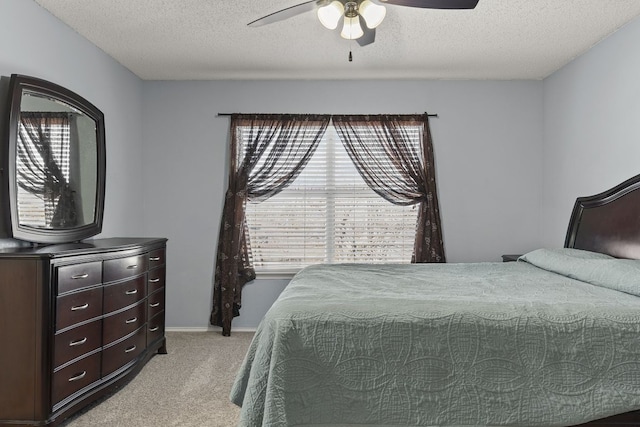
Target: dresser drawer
{"x": 78, "y": 307}
{"x": 76, "y": 342}
{"x": 121, "y": 268}
{"x": 155, "y": 328}
{"x": 124, "y": 294}
{"x": 120, "y": 354}
{"x": 155, "y": 304}
{"x": 72, "y": 277}
{"x": 74, "y": 377}
{"x": 155, "y": 279}
{"x": 156, "y": 258}
{"x": 121, "y": 324}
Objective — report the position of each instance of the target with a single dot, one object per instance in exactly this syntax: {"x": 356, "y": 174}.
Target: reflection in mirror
{"x": 56, "y": 164}
{"x": 52, "y": 163}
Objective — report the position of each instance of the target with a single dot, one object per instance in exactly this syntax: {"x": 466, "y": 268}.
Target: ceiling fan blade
{"x": 287, "y": 13}
{"x": 434, "y": 4}
{"x": 368, "y": 37}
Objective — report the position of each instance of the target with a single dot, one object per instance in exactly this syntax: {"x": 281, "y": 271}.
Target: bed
{"x": 550, "y": 340}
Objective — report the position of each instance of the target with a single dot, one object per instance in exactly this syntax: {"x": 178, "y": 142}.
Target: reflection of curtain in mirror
{"x": 74, "y": 169}
{"x": 42, "y": 167}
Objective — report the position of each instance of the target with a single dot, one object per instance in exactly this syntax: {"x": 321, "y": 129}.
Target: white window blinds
{"x": 329, "y": 215}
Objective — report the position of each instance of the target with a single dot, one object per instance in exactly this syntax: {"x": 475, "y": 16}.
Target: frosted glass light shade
{"x": 352, "y": 29}
{"x": 372, "y": 13}
{"x": 330, "y": 14}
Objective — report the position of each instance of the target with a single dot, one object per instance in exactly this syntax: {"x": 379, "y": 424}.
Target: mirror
{"x": 55, "y": 162}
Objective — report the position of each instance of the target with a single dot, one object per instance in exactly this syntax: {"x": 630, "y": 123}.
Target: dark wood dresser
{"x": 77, "y": 321}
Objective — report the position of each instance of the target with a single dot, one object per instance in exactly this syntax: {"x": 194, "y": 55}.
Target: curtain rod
{"x": 228, "y": 114}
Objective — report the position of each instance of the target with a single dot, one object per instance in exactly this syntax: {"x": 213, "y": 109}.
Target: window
{"x": 329, "y": 215}
{"x": 314, "y": 207}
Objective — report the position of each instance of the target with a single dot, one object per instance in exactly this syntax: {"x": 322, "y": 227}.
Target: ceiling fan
{"x": 359, "y": 17}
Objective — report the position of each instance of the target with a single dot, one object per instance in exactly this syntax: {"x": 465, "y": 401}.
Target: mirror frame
{"x": 17, "y": 85}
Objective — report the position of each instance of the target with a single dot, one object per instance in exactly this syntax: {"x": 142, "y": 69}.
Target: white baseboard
{"x": 206, "y": 329}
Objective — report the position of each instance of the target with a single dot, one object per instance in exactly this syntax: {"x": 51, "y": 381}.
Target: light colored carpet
{"x": 189, "y": 387}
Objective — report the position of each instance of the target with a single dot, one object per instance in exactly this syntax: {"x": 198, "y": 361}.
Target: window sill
{"x": 275, "y": 275}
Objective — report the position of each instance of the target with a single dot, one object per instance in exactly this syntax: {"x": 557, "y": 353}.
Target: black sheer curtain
{"x": 397, "y": 170}
{"x": 39, "y": 162}
{"x": 267, "y": 154}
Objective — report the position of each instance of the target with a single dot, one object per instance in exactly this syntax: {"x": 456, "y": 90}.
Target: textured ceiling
{"x": 209, "y": 39}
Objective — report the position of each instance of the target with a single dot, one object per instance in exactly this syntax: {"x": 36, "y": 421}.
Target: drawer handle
{"x": 154, "y": 258}
{"x": 78, "y": 377}
{"x": 78, "y": 342}
{"x": 80, "y": 307}
{"x": 80, "y": 276}
{"x": 154, "y": 305}
{"x": 155, "y": 328}
{"x": 132, "y": 266}
{"x": 131, "y": 292}
{"x": 156, "y": 280}
{"x": 130, "y": 349}
{"x": 135, "y": 319}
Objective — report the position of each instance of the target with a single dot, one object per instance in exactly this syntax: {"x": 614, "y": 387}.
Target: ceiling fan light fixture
{"x": 372, "y": 13}
{"x": 330, "y": 14}
{"x": 351, "y": 29}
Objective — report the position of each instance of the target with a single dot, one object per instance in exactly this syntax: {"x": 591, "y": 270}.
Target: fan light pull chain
{"x": 350, "y": 55}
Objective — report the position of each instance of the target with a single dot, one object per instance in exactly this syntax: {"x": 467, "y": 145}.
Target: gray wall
{"x": 487, "y": 145}
{"x": 35, "y": 43}
{"x": 591, "y": 127}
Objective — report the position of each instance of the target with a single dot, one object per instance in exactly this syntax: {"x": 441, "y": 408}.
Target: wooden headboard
{"x": 608, "y": 222}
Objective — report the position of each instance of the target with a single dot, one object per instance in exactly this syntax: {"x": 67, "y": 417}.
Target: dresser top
{"x": 85, "y": 247}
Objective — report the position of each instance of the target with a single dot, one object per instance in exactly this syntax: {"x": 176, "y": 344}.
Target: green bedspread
{"x": 500, "y": 344}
